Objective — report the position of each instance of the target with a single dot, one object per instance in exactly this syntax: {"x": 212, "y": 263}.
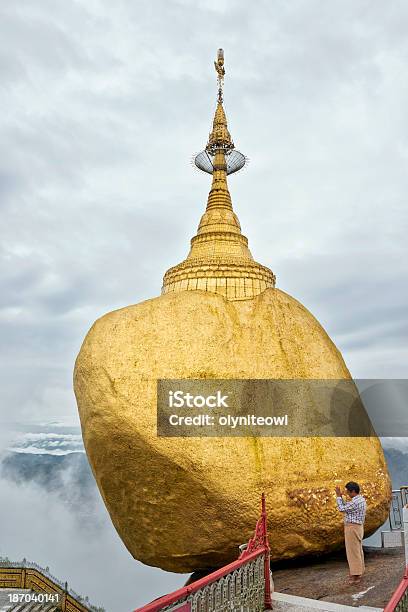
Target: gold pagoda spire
{"x": 219, "y": 259}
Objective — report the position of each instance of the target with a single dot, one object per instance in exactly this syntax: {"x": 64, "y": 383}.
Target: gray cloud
{"x": 63, "y": 524}
{"x": 104, "y": 108}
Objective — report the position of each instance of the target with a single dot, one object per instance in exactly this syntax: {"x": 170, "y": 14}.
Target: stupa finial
{"x": 219, "y": 259}
{"x": 219, "y": 67}
{"x": 220, "y": 139}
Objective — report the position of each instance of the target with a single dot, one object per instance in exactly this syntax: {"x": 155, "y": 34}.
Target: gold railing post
{"x": 64, "y": 597}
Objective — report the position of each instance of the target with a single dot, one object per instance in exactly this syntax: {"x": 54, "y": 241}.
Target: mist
{"x": 62, "y": 523}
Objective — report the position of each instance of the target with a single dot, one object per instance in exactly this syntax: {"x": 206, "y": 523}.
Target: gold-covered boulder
{"x": 187, "y": 503}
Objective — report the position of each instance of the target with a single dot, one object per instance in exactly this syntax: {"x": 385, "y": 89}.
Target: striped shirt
{"x": 354, "y": 510}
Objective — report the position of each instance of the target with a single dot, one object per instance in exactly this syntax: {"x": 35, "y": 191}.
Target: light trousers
{"x": 353, "y": 535}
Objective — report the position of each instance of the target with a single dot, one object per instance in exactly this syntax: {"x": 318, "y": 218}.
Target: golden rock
{"x": 185, "y": 504}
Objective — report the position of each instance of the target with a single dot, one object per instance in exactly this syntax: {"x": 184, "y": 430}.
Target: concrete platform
{"x": 392, "y": 539}
{"x": 323, "y": 581}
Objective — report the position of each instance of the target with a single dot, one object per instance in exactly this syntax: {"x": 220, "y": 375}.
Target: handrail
{"x": 401, "y": 591}
{"x": 32, "y": 565}
{"x": 167, "y": 600}
{"x": 399, "y": 600}
{"x": 24, "y": 564}
{"x": 258, "y": 545}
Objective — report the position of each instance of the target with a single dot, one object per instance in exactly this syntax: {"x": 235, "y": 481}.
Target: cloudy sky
{"x": 55, "y": 517}
{"x": 103, "y": 103}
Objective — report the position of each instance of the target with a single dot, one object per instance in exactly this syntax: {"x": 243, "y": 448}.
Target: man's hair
{"x": 353, "y": 486}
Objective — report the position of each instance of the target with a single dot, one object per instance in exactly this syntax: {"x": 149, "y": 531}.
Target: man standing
{"x": 354, "y": 516}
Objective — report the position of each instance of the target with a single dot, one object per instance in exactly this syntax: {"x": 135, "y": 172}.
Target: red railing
{"x": 399, "y": 601}
{"x": 245, "y": 582}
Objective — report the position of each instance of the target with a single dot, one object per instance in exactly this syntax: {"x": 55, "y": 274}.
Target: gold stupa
{"x": 219, "y": 259}
{"x": 185, "y": 504}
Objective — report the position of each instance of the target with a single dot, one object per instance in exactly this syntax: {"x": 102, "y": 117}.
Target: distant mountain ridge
{"x": 397, "y": 462}
{"x": 70, "y": 475}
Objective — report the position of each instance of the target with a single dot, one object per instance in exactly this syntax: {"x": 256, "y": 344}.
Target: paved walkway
{"x": 325, "y": 580}
{"x": 291, "y": 603}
